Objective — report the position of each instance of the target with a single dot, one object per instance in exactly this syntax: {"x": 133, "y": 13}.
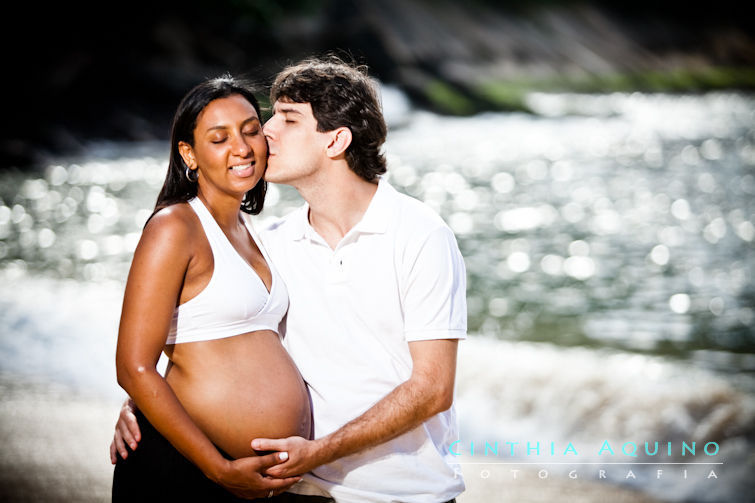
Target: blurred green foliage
{"x": 510, "y": 94}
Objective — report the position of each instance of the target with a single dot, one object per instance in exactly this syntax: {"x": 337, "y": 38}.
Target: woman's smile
{"x": 243, "y": 170}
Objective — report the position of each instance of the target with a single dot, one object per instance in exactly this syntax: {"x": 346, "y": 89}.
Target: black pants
{"x": 156, "y": 471}
{"x": 300, "y": 498}
{"x": 296, "y": 498}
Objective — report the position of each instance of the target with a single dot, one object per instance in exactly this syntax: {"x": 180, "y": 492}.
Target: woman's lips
{"x": 243, "y": 170}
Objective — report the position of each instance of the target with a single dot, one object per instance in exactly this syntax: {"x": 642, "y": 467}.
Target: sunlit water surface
{"x": 610, "y": 259}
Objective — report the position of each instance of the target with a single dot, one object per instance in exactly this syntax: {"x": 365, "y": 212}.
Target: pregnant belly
{"x": 240, "y": 388}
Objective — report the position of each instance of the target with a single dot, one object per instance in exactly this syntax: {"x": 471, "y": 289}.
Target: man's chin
{"x": 275, "y": 179}
{"x": 269, "y": 177}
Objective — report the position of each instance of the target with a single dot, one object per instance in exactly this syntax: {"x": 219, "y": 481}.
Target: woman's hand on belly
{"x": 243, "y": 477}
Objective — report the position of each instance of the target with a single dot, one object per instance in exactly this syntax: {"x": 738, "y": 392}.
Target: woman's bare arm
{"x": 155, "y": 280}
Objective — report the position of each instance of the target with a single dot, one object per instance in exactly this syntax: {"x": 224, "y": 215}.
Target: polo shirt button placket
{"x": 336, "y": 267}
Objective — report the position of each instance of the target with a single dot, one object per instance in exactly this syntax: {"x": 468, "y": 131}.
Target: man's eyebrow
{"x": 288, "y": 110}
{"x": 224, "y": 126}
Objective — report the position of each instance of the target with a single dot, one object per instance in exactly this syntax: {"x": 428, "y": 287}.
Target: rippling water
{"x": 628, "y": 222}
{"x": 608, "y": 242}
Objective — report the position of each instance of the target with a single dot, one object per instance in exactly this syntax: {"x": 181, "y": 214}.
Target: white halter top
{"x": 236, "y": 300}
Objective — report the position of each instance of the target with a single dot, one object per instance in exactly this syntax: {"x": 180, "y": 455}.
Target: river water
{"x": 609, "y": 243}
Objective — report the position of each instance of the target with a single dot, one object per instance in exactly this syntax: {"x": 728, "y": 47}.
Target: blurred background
{"x": 595, "y": 160}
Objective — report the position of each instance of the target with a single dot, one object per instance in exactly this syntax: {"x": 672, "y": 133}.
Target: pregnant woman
{"x": 202, "y": 289}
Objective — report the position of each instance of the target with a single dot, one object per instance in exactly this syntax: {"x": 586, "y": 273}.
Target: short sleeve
{"x": 434, "y": 294}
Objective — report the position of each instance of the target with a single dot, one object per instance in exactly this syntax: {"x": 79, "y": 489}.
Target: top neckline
{"x": 249, "y": 230}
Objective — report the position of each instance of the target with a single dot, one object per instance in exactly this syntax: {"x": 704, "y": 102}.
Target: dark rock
{"x": 87, "y": 71}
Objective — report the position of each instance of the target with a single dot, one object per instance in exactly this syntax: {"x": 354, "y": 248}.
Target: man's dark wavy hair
{"x": 341, "y": 95}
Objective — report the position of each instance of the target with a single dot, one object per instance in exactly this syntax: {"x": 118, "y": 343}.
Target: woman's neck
{"x": 223, "y": 208}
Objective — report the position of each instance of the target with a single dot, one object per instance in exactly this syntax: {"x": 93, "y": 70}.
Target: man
{"x": 377, "y": 300}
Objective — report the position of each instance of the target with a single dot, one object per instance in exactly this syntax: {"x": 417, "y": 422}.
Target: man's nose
{"x": 269, "y": 128}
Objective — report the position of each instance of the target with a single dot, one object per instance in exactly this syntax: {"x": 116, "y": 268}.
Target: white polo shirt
{"x": 396, "y": 277}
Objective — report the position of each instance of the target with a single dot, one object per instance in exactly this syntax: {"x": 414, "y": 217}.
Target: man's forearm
{"x": 428, "y": 391}
{"x": 402, "y": 410}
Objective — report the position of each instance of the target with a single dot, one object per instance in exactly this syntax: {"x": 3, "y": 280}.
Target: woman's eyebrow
{"x": 224, "y": 126}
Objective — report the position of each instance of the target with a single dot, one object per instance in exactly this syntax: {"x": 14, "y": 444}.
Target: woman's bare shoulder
{"x": 173, "y": 225}
{"x": 174, "y": 218}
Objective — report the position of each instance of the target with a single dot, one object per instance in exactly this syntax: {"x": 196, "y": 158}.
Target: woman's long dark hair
{"x": 177, "y": 188}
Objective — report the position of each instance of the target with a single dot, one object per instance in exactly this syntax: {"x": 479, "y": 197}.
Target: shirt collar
{"x": 300, "y": 223}
{"x": 374, "y": 221}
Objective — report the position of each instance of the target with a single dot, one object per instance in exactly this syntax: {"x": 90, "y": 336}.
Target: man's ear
{"x": 187, "y": 154}
{"x": 339, "y": 142}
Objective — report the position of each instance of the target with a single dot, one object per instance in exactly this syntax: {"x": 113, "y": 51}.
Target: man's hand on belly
{"x": 303, "y": 455}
